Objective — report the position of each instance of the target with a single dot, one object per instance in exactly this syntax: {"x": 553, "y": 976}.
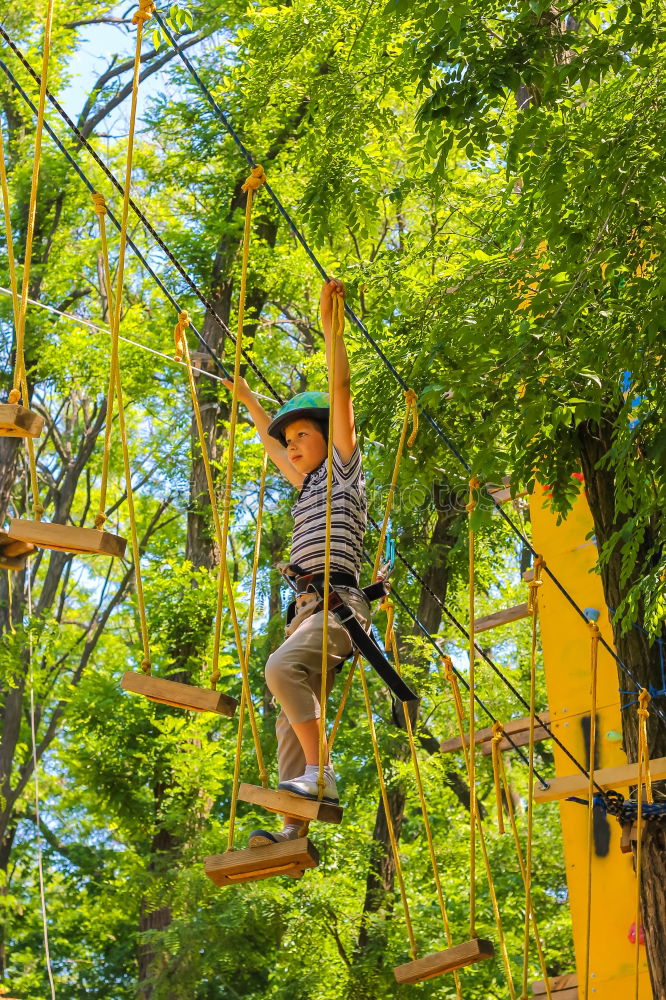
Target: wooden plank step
{"x": 521, "y": 739}
{"x": 484, "y": 735}
{"x": 292, "y": 857}
{"x": 608, "y": 777}
{"x": 289, "y": 804}
{"x": 19, "y": 421}
{"x": 476, "y": 950}
{"x": 67, "y": 538}
{"x": 567, "y": 982}
{"x": 504, "y": 617}
{"x": 187, "y": 696}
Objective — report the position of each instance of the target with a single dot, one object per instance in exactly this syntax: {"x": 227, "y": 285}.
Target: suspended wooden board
{"x": 291, "y": 857}
{"x": 289, "y": 804}
{"x": 513, "y": 727}
{"x": 13, "y": 556}
{"x": 504, "y": 617}
{"x": 467, "y": 953}
{"x": 563, "y": 987}
{"x": 187, "y": 696}
{"x": 67, "y": 538}
{"x": 19, "y": 422}
{"x": 608, "y": 777}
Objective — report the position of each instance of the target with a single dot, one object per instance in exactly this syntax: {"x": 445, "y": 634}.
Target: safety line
{"x": 364, "y": 330}
{"x": 133, "y": 343}
{"x": 505, "y": 680}
{"x": 205, "y": 301}
{"x": 33, "y": 733}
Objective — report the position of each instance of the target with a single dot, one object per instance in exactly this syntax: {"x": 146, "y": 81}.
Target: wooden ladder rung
{"x": 512, "y": 727}
{"x": 290, "y": 804}
{"x": 504, "y": 617}
{"x": 608, "y": 777}
{"x": 19, "y": 421}
{"x": 562, "y": 987}
{"x": 178, "y": 695}
{"x": 291, "y": 857}
{"x": 467, "y": 953}
{"x": 520, "y": 739}
{"x": 67, "y": 538}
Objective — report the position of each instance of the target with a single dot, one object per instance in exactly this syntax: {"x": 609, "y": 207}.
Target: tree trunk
{"x": 643, "y": 660}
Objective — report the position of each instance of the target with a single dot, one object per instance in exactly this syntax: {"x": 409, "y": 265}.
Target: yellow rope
{"x": 643, "y": 776}
{"x": 390, "y": 642}
{"x": 471, "y": 506}
{"x": 450, "y": 677}
{"x": 253, "y": 182}
{"x": 244, "y": 694}
{"x": 594, "y": 649}
{"x": 532, "y": 605}
{"x": 410, "y": 409}
{"x": 183, "y": 352}
{"x": 19, "y": 365}
{"x": 337, "y": 327}
{"x": 521, "y": 865}
{"x": 13, "y": 281}
{"x": 387, "y": 812}
{"x": 498, "y": 735}
{"x": 99, "y": 207}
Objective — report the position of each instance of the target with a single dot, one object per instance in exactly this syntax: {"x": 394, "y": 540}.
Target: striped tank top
{"x": 349, "y": 507}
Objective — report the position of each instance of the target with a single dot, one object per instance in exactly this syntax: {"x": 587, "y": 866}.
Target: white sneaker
{"x": 261, "y": 838}
{"x": 308, "y": 787}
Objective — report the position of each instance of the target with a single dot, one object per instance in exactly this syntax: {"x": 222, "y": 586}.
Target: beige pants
{"x": 293, "y": 676}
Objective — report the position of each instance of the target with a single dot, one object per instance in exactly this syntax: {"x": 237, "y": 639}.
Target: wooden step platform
{"x": 561, "y": 987}
{"x": 516, "y": 728}
{"x": 13, "y": 553}
{"x": 290, "y": 858}
{"x": 186, "y": 696}
{"x": 290, "y": 804}
{"x": 607, "y": 777}
{"x": 19, "y": 422}
{"x": 504, "y": 617}
{"x": 476, "y": 950}
{"x": 67, "y": 538}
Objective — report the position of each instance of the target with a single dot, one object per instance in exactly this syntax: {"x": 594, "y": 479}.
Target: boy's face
{"x": 306, "y": 445}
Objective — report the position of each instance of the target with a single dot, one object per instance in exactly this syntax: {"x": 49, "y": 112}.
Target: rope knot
{"x": 145, "y": 666}
{"x": 100, "y": 519}
{"x": 448, "y": 668}
{"x": 255, "y": 180}
{"x": 472, "y": 504}
{"x": 644, "y": 699}
{"x": 14, "y": 396}
{"x": 39, "y": 510}
{"x": 144, "y": 13}
{"x": 99, "y": 203}
{"x": 498, "y": 732}
{"x": 410, "y": 400}
{"x": 179, "y": 334}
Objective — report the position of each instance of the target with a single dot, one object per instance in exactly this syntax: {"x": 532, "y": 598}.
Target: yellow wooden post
{"x": 565, "y": 637}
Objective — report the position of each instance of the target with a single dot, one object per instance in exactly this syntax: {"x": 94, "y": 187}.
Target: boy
{"x": 296, "y": 439}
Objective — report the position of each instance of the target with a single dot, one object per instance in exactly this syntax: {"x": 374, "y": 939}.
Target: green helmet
{"x": 302, "y": 406}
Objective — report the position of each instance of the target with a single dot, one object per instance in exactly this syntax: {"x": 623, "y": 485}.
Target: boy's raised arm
{"x": 261, "y": 420}
{"x": 344, "y": 428}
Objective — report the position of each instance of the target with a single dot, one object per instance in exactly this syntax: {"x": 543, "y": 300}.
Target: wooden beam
{"x": 19, "y": 421}
{"x": 484, "y": 735}
{"x": 67, "y": 538}
{"x": 607, "y": 777}
{"x": 504, "y": 617}
{"x": 291, "y": 857}
{"x": 476, "y": 950}
{"x": 289, "y": 804}
{"x": 521, "y": 739}
{"x": 567, "y": 982}
{"x": 186, "y": 696}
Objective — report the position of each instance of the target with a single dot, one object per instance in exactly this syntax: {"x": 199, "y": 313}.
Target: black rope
{"x": 205, "y": 301}
{"x": 505, "y": 680}
{"x": 224, "y": 119}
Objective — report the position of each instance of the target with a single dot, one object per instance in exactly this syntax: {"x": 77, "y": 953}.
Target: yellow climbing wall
{"x": 565, "y": 642}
